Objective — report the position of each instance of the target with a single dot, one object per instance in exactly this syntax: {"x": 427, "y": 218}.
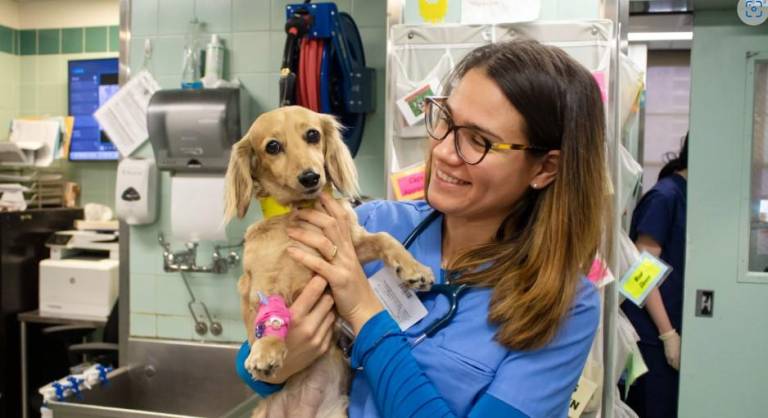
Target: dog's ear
{"x": 339, "y": 165}
{"x": 239, "y": 184}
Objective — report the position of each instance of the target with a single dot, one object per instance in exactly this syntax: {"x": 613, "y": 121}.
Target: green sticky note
{"x": 635, "y": 368}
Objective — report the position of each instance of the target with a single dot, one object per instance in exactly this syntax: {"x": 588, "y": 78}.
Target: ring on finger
{"x": 334, "y": 251}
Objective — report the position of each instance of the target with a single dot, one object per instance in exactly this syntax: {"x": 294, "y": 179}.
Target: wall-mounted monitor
{"x": 90, "y": 83}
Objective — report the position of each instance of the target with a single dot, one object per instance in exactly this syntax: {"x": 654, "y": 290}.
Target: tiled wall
{"x": 61, "y": 40}
{"x": 43, "y": 92}
{"x": 9, "y": 91}
{"x": 253, "y": 34}
{"x": 33, "y": 77}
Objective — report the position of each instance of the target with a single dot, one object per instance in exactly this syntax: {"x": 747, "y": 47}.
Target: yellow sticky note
{"x": 645, "y": 274}
{"x": 642, "y": 278}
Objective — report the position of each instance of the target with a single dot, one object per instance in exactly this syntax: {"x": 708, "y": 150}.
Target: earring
{"x": 535, "y": 186}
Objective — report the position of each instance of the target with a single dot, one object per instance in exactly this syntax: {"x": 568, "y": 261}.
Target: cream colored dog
{"x": 292, "y": 154}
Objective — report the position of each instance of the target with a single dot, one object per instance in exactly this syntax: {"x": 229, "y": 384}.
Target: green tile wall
{"x": 7, "y": 36}
{"x": 72, "y": 40}
{"x": 59, "y": 41}
{"x": 28, "y": 42}
{"x": 49, "y": 41}
{"x": 39, "y": 89}
{"x": 96, "y": 39}
{"x": 10, "y": 66}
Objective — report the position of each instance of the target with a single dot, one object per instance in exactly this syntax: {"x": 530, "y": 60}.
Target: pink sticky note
{"x": 600, "y": 79}
{"x": 597, "y": 272}
{"x": 411, "y": 183}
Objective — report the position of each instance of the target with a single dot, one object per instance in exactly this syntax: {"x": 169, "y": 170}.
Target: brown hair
{"x": 550, "y": 237}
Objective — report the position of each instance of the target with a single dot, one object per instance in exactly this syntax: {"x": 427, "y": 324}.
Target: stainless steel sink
{"x": 176, "y": 380}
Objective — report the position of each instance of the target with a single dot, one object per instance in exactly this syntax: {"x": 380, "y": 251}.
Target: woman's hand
{"x": 354, "y": 297}
{"x": 311, "y": 331}
{"x": 671, "y": 340}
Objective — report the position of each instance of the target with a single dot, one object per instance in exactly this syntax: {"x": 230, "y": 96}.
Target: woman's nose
{"x": 445, "y": 150}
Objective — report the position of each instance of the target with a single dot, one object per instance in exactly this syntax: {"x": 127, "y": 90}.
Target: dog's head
{"x": 291, "y": 154}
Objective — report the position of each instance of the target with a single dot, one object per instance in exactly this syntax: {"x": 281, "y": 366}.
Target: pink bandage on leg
{"x": 273, "y": 318}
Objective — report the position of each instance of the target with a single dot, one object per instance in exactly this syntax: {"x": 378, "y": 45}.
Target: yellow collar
{"x": 271, "y": 208}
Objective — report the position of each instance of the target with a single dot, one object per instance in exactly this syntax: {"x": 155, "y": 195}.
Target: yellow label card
{"x": 647, "y": 273}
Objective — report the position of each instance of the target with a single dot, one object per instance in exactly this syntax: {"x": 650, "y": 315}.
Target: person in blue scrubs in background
{"x": 658, "y": 226}
{"x": 515, "y": 173}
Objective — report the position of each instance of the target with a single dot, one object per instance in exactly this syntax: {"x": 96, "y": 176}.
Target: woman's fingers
{"x": 327, "y": 341}
{"x": 315, "y": 240}
{"x": 325, "y": 327}
{"x": 308, "y": 297}
{"x": 321, "y": 220}
{"x": 312, "y": 262}
{"x": 334, "y": 209}
{"x": 316, "y": 316}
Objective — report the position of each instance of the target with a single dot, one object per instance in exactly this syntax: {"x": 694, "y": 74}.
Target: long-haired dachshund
{"x": 293, "y": 154}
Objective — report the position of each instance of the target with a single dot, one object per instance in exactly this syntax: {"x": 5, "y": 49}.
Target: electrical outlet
{"x": 705, "y": 303}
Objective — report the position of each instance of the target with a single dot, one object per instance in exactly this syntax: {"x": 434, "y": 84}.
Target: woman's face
{"x": 490, "y": 188}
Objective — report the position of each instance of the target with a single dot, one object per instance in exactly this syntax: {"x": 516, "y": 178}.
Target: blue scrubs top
{"x": 461, "y": 370}
{"x": 661, "y": 215}
{"x": 463, "y": 360}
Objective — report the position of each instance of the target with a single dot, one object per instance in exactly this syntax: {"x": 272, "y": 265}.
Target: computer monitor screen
{"x": 91, "y": 83}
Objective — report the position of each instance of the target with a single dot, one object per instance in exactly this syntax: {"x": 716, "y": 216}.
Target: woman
{"x": 658, "y": 226}
{"x": 516, "y": 182}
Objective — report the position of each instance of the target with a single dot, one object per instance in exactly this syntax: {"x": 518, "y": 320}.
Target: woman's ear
{"x": 339, "y": 165}
{"x": 238, "y": 182}
{"x": 547, "y": 168}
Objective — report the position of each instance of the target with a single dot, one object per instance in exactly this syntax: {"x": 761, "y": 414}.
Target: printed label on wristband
{"x": 400, "y": 301}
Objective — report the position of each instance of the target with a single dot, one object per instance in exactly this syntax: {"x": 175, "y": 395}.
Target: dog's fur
{"x": 253, "y": 172}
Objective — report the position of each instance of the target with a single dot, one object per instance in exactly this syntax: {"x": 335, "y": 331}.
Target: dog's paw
{"x": 415, "y": 275}
{"x": 266, "y": 357}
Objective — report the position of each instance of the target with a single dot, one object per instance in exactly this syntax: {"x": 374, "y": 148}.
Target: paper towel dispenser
{"x": 193, "y": 130}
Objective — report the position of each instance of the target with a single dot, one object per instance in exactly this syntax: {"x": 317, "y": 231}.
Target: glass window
{"x": 758, "y": 240}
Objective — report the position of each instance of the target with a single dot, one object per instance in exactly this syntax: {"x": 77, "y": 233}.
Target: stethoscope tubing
{"x": 451, "y": 291}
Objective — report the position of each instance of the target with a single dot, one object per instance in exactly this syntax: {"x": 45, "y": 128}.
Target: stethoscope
{"x": 451, "y": 291}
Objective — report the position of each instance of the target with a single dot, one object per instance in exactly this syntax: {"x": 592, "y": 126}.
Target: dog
{"x": 293, "y": 154}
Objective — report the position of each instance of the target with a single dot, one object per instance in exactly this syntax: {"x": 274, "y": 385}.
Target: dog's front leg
{"x": 266, "y": 357}
{"x": 383, "y": 246}
{"x": 267, "y": 332}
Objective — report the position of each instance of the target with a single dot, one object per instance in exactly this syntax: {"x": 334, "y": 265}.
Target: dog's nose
{"x": 309, "y": 179}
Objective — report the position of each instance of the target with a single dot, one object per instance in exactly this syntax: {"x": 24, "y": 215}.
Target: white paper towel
{"x": 197, "y": 207}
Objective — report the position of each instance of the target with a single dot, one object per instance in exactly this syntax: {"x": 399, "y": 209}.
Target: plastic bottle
{"x": 214, "y": 59}
{"x": 190, "y": 70}
{"x": 190, "y": 78}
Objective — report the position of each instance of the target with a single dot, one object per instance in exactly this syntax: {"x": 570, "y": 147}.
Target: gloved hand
{"x": 671, "y": 340}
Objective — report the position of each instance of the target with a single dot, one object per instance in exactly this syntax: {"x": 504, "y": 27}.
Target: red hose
{"x": 308, "y": 83}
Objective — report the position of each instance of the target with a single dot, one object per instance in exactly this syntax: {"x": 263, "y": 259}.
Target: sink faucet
{"x": 186, "y": 260}
{"x": 220, "y": 264}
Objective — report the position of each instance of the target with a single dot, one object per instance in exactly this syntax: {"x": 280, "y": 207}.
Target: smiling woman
{"x": 514, "y": 212}
{"x": 550, "y": 190}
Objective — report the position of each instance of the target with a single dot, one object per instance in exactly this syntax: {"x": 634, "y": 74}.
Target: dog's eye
{"x": 312, "y": 136}
{"x": 273, "y": 147}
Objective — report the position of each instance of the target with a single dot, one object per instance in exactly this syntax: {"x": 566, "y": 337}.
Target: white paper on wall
{"x": 499, "y": 11}
{"x": 124, "y": 116}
